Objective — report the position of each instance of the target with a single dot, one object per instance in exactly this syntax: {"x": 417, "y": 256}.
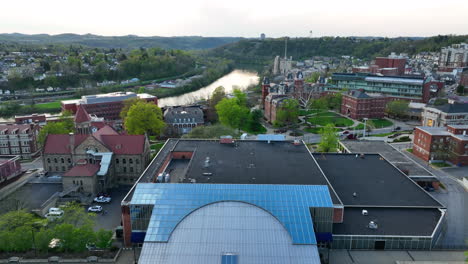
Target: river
{"x": 236, "y": 79}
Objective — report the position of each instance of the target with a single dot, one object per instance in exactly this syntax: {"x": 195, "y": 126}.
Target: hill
{"x": 124, "y": 42}
{"x": 256, "y": 52}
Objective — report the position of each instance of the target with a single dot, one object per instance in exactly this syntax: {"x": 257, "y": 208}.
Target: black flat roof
{"x": 252, "y": 162}
{"x": 375, "y": 181}
{"x": 390, "y": 221}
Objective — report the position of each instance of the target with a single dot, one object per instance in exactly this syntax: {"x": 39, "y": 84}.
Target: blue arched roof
{"x": 288, "y": 203}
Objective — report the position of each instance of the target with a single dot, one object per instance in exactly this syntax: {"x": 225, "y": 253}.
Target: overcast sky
{"x": 246, "y": 18}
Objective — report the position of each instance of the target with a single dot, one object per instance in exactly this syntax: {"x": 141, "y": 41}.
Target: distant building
{"x": 107, "y": 106}
{"x": 410, "y": 88}
{"x": 10, "y": 167}
{"x": 464, "y": 79}
{"x": 29, "y": 119}
{"x": 262, "y": 36}
{"x": 442, "y": 115}
{"x": 455, "y": 56}
{"x": 273, "y": 103}
{"x": 442, "y": 143}
{"x": 359, "y": 105}
{"x": 19, "y": 140}
{"x": 182, "y": 119}
{"x": 393, "y": 65}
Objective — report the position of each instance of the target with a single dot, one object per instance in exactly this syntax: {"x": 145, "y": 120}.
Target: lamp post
{"x": 365, "y": 126}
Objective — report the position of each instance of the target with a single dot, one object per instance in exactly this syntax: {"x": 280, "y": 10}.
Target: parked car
{"x": 345, "y": 132}
{"x": 397, "y": 128}
{"x": 102, "y": 199}
{"x": 95, "y": 209}
{"x": 54, "y": 213}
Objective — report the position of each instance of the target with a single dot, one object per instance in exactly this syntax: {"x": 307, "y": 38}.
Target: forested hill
{"x": 124, "y": 42}
{"x": 255, "y": 51}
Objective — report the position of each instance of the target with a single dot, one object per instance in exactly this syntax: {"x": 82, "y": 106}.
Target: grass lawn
{"x": 440, "y": 164}
{"x": 380, "y": 123}
{"x": 49, "y": 106}
{"x": 314, "y": 130}
{"x": 410, "y": 150}
{"x": 156, "y": 147}
{"x": 304, "y": 112}
{"x": 330, "y": 118}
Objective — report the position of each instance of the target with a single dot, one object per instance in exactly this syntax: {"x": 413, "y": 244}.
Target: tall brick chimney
{"x": 72, "y": 143}
{"x": 265, "y": 89}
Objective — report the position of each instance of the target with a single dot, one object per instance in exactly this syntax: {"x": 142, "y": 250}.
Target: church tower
{"x": 265, "y": 89}
{"x": 299, "y": 85}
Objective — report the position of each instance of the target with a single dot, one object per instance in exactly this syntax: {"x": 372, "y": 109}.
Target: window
{"x": 62, "y": 160}
{"x": 55, "y": 160}
{"x": 69, "y": 160}
{"x": 56, "y": 168}
{"x": 48, "y": 160}
{"x": 229, "y": 259}
{"x": 116, "y": 161}
{"x": 130, "y": 161}
{"x": 137, "y": 161}
{"x": 63, "y": 168}
{"x": 124, "y": 169}
{"x": 131, "y": 169}
{"x": 81, "y": 182}
{"x": 124, "y": 161}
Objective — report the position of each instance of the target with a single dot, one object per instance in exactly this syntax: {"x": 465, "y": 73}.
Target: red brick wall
{"x": 384, "y": 62}
{"x": 127, "y": 226}
{"x": 422, "y": 144}
{"x": 182, "y": 154}
{"x": 265, "y": 89}
{"x": 338, "y": 215}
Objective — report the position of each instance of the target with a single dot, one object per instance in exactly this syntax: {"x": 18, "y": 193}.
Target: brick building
{"x": 182, "y": 119}
{"x": 393, "y": 65}
{"x": 119, "y": 158}
{"x": 19, "y": 140}
{"x": 452, "y": 113}
{"x": 442, "y": 144}
{"x": 359, "y": 105}
{"x": 464, "y": 79}
{"x": 273, "y": 104}
{"x": 107, "y": 106}
{"x": 30, "y": 119}
{"x": 10, "y": 167}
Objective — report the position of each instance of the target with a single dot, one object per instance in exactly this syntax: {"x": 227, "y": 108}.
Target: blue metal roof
{"x": 173, "y": 202}
{"x": 271, "y": 137}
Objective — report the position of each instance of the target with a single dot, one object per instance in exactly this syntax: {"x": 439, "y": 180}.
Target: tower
{"x": 299, "y": 85}
{"x": 265, "y": 89}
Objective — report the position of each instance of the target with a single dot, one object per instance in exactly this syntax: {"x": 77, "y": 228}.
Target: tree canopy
{"x": 288, "y": 112}
{"x": 210, "y": 132}
{"x": 397, "y": 108}
{"x": 52, "y": 128}
{"x": 144, "y": 118}
{"x": 329, "y": 140}
{"x": 233, "y": 112}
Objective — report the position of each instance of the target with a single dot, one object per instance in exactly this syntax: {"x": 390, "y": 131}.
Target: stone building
{"x": 105, "y": 158}
{"x": 182, "y": 119}
{"x": 359, "y": 105}
{"x": 442, "y": 115}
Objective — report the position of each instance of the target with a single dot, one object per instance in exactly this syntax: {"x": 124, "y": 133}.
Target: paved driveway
{"x": 457, "y": 172}
{"x": 111, "y": 219}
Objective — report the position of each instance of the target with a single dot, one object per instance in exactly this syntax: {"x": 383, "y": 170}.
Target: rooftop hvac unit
{"x": 364, "y": 212}
{"x": 207, "y": 174}
{"x": 373, "y": 225}
{"x": 160, "y": 178}
{"x": 167, "y": 178}
{"x": 207, "y": 162}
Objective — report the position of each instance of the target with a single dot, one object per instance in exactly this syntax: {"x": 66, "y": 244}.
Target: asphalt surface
{"x": 35, "y": 164}
{"x": 455, "y": 198}
{"x": 112, "y": 218}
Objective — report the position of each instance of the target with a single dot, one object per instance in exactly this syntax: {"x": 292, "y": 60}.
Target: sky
{"x": 245, "y": 18}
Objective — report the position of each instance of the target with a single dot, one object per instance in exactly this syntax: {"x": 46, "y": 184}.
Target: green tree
{"x": 329, "y": 140}
{"x": 461, "y": 90}
{"x": 103, "y": 238}
{"x": 313, "y": 78}
{"x": 52, "y": 128}
{"x": 253, "y": 123}
{"x": 231, "y": 113}
{"x": 210, "y": 132}
{"x": 144, "y": 118}
{"x": 288, "y": 112}
{"x": 218, "y": 94}
{"x": 126, "y": 106}
{"x": 397, "y": 108}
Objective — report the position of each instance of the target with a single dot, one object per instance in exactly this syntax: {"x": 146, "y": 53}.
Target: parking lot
{"x": 109, "y": 218}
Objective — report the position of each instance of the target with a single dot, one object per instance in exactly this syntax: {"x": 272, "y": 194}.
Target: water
{"x": 236, "y": 79}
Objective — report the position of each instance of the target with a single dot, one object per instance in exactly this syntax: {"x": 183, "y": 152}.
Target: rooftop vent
{"x": 354, "y": 194}
{"x": 362, "y": 155}
{"x": 372, "y": 225}
{"x": 365, "y": 212}
{"x": 297, "y": 142}
{"x": 226, "y": 140}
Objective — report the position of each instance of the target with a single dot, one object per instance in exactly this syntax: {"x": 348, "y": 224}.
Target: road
{"x": 455, "y": 198}
{"x": 35, "y": 164}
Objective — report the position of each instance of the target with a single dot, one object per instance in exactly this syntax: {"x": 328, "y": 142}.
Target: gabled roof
{"x": 118, "y": 144}
{"x": 83, "y": 170}
{"x": 453, "y": 108}
{"x": 81, "y": 115}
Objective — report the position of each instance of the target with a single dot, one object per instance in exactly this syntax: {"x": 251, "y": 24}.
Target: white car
{"x": 102, "y": 199}
{"x": 95, "y": 209}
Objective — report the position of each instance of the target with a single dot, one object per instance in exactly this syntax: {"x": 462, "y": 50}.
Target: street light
{"x": 365, "y": 126}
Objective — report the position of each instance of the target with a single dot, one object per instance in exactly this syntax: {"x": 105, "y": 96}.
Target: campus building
{"x": 10, "y": 167}
{"x": 410, "y": 88}
{"x": 452, "y": 113}
{"x": 359, "y": 105}
{"x": 19, "y": 140}
{"x": 181, "y": 120}
{"x": 455, "y": 56}
{"x": 232, "y": 195}
{"x": 107, "y": 106}
{"x": 449, "y": 143}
